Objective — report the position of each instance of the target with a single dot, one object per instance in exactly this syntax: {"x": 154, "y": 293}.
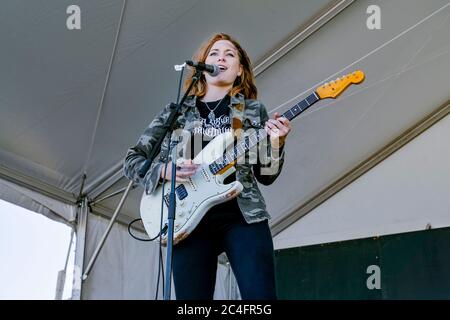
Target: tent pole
{"x": 62, "y": 274}
{"x": 80, "y": 248}
{"x": 105, "y": 235}
{"x": 93, "y": 203}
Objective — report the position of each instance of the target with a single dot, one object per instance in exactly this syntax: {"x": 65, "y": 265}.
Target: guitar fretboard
{"x": 253, "y": 139}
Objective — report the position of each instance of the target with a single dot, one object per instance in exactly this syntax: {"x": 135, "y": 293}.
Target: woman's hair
{"x": 244, "y": 84}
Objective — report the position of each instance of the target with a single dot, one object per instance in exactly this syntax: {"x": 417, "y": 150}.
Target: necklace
{"x": 212, "y": 115}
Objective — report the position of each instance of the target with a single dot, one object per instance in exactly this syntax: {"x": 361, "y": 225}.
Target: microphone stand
{"x": 168, "y": 127}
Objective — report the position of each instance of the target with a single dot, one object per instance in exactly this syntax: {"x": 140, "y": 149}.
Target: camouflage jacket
{"x": 252, "y": 117}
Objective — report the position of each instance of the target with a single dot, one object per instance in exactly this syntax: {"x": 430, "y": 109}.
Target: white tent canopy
{"x": 73, "y": 101}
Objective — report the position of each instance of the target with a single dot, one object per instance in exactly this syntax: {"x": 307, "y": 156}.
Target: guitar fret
{"x": 293, "y": 114}
{"x": 303, "y": 105}
{"x": 312, "y": 98}
{"x": 306, "y": 101}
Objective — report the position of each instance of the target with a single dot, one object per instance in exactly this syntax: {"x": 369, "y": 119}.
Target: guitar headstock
{"x": 334, "y": 88}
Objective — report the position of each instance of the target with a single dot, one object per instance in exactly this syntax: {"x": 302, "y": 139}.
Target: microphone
{"x": 212, "y": 69}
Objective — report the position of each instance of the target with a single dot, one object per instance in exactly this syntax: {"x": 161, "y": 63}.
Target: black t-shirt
{"x": 215, "y": 118}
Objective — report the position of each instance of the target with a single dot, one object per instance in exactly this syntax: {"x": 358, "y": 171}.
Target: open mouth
{"x": 222, "y": 68}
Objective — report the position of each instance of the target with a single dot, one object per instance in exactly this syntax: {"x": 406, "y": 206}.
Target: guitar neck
{"x": 297, "y": 109}
{"x": 253, "y": 139}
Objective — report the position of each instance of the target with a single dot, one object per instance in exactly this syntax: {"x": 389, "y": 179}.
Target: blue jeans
{"x": 249, "y": 248}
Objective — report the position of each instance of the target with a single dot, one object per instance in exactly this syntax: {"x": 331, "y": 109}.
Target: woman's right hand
{"x": 185, "y": 169}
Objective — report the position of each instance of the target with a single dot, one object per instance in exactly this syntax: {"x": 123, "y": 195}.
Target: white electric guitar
{"x": 216, "y": 161}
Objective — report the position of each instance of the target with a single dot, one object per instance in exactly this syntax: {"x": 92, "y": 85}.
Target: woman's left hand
{"x": 278, "y": 128}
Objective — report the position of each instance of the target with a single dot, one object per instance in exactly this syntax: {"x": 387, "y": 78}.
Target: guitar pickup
{"x": 205, "y": 175}
{"x": 181, "y": 191}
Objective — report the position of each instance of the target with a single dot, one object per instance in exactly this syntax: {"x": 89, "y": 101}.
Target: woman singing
{"x": 238, "y": 227}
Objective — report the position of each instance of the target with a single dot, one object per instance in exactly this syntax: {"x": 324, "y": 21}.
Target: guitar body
{"x": 193, "y": 198}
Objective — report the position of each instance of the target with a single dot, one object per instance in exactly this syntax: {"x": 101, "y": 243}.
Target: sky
{"x": 33, "y": 249}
